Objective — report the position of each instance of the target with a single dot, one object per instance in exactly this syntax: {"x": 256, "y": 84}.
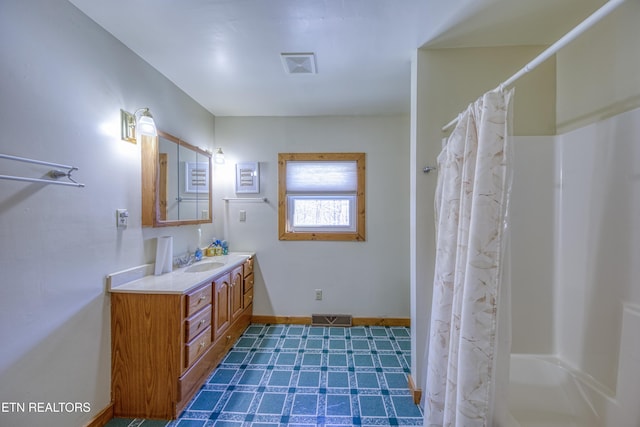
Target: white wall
{"x": 365, "y": 279}
{"x": 599, "y": 72}
{"x": 63, "y": 81}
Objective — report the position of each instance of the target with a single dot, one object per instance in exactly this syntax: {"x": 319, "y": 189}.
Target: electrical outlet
{"x": 318, "y": 294}
{"x": 122, "y": 218}
{"x": 243, "y": 216}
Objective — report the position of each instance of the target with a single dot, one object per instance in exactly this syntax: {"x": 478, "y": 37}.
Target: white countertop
{"x": 142, "y": 280}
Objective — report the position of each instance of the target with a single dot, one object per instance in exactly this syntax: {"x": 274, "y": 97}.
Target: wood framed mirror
{"x": 176, "y": 182}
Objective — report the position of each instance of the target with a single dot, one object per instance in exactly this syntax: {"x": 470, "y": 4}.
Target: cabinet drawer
{"x": 248, "y": 267}
{"x": 197, "y": 323}
{"x": 248, "y": 298}
{"x": 248, "y": 282}
{"x": 198, "y": 299}
{"x": 197, "y": 346}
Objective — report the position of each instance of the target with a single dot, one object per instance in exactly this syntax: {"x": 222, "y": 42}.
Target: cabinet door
{"x": 237, "y": 292}
{"x": 221, "y": 314}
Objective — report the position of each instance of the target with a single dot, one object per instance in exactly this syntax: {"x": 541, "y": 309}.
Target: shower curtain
{"x": 469, "y": 336}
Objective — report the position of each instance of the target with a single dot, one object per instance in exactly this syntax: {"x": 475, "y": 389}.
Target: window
{"x": 321, "y": 196}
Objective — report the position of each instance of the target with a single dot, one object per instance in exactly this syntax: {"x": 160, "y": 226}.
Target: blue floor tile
{"x": 316, "y": 331}
{"x": 280, "y": 378}
{"x": 379, "y": 332}
{"x": 309, "y": 379}
{"x": 336, "y": 332}
{"x": 206, "y": 401}
{"x": 305, "y": 404}
{"x": 362, "y": 360}
{"x": 222, "y": 376}
{"x": 286, "y": 359}
{"x": 227, "y": 424}
{"x": 260, "y": 358}
{"x": 314, "y": 344}
{"x": 395, "y": 380}
{"x": 298, "y": 375}
{"x": 245, "y": 342}
{"x": 389, "y": 361}
{"x": 372, "y": 406}
{"x": 405, "y": 407}
{"x": 405, "y": 345}
{"x": 383, "y": 345}
{"x": 400, "y": 332}
{"x": 311, "y": 359}
{"x": 190, "y": 423}
{"x": 239, "y": 402}
{"x": 251, "y": 377}
{"x": 337, "y": 360}
{"x": 337, "y": 379}
{"x": 253, "y": 330}
{"x": 337, "y": 344}
{"x": 367, "y": 380}
{"x": 360, "y": 344}
{"x": 272, "y": 403}
{"x": 291, "y": 343}
{"x": 358, "y": 332}
{"x": 269, "y": 342}
{"x": 275, "y": 330}
{"x": 236, "y": 357}
{"x": 338, "y": 405}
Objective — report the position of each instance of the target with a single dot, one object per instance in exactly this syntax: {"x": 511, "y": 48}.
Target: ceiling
{"x": 225, "y": 54}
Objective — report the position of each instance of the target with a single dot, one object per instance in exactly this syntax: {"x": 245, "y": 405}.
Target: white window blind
{"x": 323, "y": 176}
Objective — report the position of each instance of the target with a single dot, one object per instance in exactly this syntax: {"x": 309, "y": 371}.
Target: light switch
{"x": 122, "y": 218}
{"x": 243, "y": 216}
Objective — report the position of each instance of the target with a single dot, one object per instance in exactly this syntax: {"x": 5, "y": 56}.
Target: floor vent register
{"x": 331, "y": 319}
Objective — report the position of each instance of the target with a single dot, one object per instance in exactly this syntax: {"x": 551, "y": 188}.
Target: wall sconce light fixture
{"x": 218, "y": 156}
{"x": 139, "y": 122}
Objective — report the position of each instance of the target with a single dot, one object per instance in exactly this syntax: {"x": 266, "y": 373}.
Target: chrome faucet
{"x": 184, "y": 261}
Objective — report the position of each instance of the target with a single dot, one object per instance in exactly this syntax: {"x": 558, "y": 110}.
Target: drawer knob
{"x": 202, "y": 298}
{"x": 202, "y": 344}
{"x": 203, "y": 321}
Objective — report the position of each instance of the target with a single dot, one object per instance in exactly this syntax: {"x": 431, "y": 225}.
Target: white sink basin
{"x": 203, "y": 266}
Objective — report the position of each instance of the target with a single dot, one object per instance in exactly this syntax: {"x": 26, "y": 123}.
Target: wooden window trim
{"x": 358, "y": 234}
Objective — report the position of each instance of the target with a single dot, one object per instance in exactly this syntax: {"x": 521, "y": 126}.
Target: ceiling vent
{"x": 299, "y": 63}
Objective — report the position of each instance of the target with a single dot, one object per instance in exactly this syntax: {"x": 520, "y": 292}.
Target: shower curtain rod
{"x": 551, "y": 50}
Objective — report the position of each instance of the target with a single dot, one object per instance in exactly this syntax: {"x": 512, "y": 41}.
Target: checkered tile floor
{"x": 294, "y": 375}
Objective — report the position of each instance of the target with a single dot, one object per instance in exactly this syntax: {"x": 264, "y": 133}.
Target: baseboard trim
{"x": 357, "y": 321}
{"x": 102, "y": 418}
{"x": 381, "y": 321}
{"x": 293, "y": 320}
{"x": 416, "y": 393}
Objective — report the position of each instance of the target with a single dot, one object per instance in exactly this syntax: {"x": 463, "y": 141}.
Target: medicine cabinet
{"x": 176, "y": 182}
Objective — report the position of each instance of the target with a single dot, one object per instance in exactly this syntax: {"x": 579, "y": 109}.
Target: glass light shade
{"x": 218, "y": 157}
{"x": 146, "y": 125}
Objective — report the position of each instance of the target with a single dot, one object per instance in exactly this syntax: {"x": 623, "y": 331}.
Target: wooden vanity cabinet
{"x": 237, "y": 292}
{"x": 222, "y": 317}
{"x": 248, "y": 282}
{"x": 165, "y": 345}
